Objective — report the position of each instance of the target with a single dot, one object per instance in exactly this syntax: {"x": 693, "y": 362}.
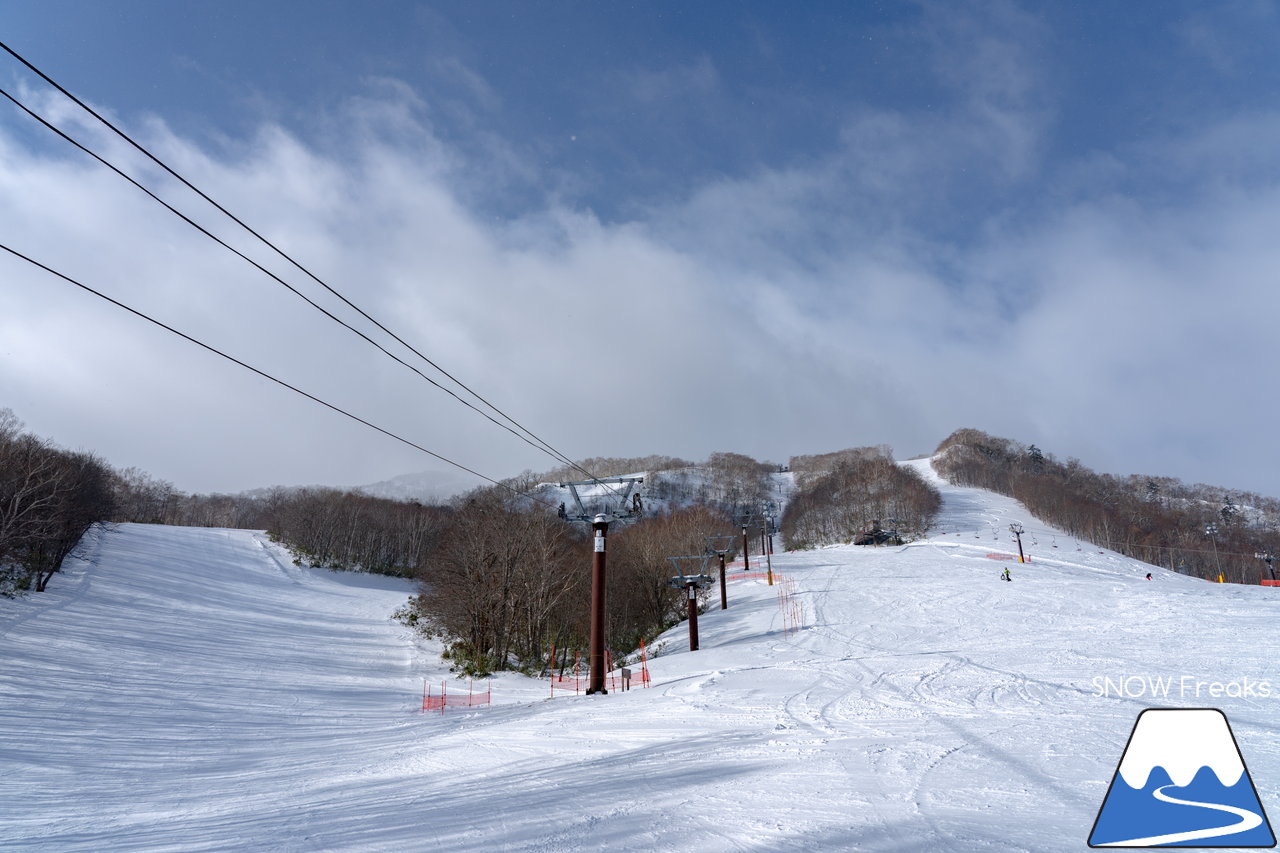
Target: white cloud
{"x": 802, "y": 308}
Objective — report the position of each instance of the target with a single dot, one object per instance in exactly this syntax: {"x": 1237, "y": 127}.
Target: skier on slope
{"x": 1006, "y": 576}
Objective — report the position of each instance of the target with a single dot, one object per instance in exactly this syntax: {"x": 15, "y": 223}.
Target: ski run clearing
{"x": 191, "y": 689}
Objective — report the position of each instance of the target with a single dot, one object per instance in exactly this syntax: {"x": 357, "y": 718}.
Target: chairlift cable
{"x": 264, "y": 374}
{"x": 268, "y": 272}
{"x": 545, "y": 446}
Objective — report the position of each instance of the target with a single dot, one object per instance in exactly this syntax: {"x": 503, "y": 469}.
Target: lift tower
{"x": 609, "y": 505}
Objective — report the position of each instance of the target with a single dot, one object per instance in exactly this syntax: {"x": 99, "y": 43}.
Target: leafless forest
{"x": 503, "y": 580}
{"x": 1199, "y": 530}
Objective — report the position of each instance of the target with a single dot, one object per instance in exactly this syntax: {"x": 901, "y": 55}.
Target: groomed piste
{"x": 191, "y": 689}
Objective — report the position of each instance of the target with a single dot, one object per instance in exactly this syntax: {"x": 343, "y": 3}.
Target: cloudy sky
{"x": 657, "y": 227}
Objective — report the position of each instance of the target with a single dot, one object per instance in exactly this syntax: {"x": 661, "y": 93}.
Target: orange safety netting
{"x": 579, "y": 677}
{"x": 432, "y": 701}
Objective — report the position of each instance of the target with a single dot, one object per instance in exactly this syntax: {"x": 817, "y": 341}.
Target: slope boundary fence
{"x": 619, "y": 678}
{"x": 432, "y": 701}
{"x": 791, "y": 608}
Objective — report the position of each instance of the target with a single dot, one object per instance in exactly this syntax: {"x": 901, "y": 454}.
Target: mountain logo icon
{"x": 1182, "y": 782}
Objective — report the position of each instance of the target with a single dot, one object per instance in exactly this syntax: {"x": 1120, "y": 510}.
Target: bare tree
{"x": 48, "y": 499}
{"x": 499, "y": 582}
{"x": 863, "y": 489}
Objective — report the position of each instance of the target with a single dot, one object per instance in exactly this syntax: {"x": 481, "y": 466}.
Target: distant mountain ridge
{"x": 422, "y": 486}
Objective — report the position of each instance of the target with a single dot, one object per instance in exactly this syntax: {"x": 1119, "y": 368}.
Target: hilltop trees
{"x": 1157, "y": 519}
{"x": 727, "y": 482}
{"x": 846, "y": 493}
{"x": 607, "y": 466}
{"x": 737, "y": 482}
{"x": 808, "y": 467}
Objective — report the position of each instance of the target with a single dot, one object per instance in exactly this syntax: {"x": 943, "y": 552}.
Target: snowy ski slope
{"x": 190, "y": 689}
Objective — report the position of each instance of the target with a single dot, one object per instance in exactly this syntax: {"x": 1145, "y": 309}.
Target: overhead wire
{"x": 191, "y": 339}
{"x": 1117, "y": 545}
{"x": 53, "y": 128}
{"x": 545, "y": 446}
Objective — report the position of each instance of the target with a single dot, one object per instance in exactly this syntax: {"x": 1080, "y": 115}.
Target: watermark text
{"x": 1180, "y": 687}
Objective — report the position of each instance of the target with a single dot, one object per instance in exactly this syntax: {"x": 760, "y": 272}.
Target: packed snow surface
{"x": 191, "y": 689}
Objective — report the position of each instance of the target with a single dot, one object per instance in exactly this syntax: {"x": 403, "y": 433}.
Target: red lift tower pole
{"x": 724, "y": 594}
{"x": 691, "y": 583}
{"x": 596, "y": 683}
{"x": 619, "y": 505}
{"x": 720, "y": 546}
{"x": 693, "y": 616}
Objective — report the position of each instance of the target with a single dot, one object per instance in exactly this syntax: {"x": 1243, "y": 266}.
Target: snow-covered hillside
{"x": 665, "y": 491}
{"x": 423, "y": 486}
{"x": 189, "y": 689}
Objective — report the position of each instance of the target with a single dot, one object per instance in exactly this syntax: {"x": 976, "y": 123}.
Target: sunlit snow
{"x": 191, "y": 689}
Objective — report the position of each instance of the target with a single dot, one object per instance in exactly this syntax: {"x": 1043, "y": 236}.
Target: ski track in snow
{"x": 192, "y": 689}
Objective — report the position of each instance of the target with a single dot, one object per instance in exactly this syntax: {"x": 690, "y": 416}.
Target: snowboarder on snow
{"x": 1006, "y": 576}
{"x": 1148, "y": 575}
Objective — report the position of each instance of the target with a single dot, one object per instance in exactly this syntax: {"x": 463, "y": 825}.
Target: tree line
{"x": 841, "y": 495}
{"x": 501, "y": 578}
{"x": 49, "y": 498}
{"x": 1199, "y": 530}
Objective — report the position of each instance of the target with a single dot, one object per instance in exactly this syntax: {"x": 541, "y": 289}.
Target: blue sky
{"x": 659, "y": 227}
{"x": 622, "y": 105}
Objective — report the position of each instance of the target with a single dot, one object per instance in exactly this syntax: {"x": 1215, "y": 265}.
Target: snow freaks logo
{"x": 1181, "y": 783}
{"x": 1183, "y": 687}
